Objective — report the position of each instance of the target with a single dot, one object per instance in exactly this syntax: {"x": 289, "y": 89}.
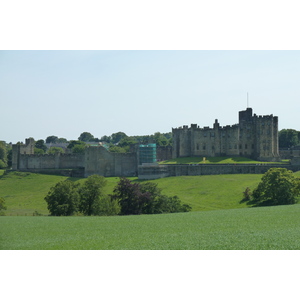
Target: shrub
{"x": 2, "y": 206}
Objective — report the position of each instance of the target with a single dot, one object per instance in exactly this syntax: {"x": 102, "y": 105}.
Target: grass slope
{"x": 217, "y": 160}
{"x": 248, "y": 228}
{"x": 24, "y": 193}
{"x": 209, "y": 192}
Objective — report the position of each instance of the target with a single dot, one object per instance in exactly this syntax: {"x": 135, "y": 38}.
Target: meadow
{"x": 24, "y": 193}
{"x": 240, "y": 229}
{"x": 217, "y": 221}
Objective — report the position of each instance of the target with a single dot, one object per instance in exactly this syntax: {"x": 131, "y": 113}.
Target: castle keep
{"x": 254, "y": 136}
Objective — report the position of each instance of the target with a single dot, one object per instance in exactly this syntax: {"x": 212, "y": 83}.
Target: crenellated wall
{"x": 254, "y": 136}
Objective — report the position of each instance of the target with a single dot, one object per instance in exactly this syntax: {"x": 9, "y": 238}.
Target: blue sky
{"x": 65, "y": 93}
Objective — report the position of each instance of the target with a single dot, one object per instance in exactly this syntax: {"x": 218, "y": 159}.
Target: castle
{"x": 254, "y": 137}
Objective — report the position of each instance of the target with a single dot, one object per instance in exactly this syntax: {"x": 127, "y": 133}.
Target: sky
{"x": 154, "y": 65}
{"x": 140, "y": 92}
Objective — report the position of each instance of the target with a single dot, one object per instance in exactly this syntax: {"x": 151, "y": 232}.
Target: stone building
{"x": 95, "y": 160}
{"x": 254, "y": 137}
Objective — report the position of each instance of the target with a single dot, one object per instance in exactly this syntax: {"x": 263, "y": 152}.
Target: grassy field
{"x": 218, "y": 221}
{"x": 217, "y": 160}
{"x": 24, "y": 193}
{"x": 248, "y": 228}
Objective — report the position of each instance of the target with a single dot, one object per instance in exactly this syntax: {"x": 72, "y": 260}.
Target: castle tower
{"x": 255, "y": 137}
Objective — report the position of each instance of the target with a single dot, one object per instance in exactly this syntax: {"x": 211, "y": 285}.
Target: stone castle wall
{"x": 254, "y": 136}
{"x": 100, "y": 161}
{"x": 48, "y": 161}
{"x": 161, "y": 171}
{"x": 95, "y": 160}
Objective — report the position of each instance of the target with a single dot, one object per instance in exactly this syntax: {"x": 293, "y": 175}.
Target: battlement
{"x": 254, "y": 136}
{"x": 264, "y": 117}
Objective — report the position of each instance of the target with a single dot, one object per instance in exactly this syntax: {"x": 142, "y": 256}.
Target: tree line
{"x": 117, "y": 142}
{"x": 288, "y": 138}
{"x": 69, "y": 198}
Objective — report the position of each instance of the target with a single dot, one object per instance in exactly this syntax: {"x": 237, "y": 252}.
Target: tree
{"x": 288, "y": 138}
{"x": 51, "y": 139}
{"x": 116, "y": 137}
{"x": 106, "y": 139}
{"x": 40, "y": 144}
{"x": 116, "y": 149}
{"x": 77, "y": 146}
{"x": 86, "y": 137}
{"x": 3, "y": 155}
{"x": 2, "y": 206}
{"x": 130, "y": 198}
{"x": 54, "y": 150}
{"x": 38, "y": 151}
{"x": 90, "y": 194}
{"x": 61, "y": 141}
{"x": 63, "y": 199}
{"x": 145, "y": 198}
{"x": 278, "y": 186}
{"x": 160, "y": 139}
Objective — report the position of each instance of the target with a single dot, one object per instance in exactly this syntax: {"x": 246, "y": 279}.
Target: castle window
{"x": 204, "y": 147}
{"x": 240, "y": 146}
{"x": 197, "y": 146}
{"x": 212, "y": 134}
{"x": 204, "y": 134}
{"x": 235, "y": 146}
{"x": 246, "y": 146}
{"x": 252, "y": 146}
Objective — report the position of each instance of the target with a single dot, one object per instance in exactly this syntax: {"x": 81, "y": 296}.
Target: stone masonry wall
{"x": 102, "y": 162}
{"x": 160, "y": 171}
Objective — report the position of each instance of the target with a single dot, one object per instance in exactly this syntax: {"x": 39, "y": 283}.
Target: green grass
{"x": 215, "y": 223}
{"x": 248, "y": 228}
{"x": 217, "y": 160}
{"x": 209, "y": 192}
{"x": 24, "y": 193}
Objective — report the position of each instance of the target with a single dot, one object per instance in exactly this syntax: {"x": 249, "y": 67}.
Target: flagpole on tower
{"x": 247, "y": 101}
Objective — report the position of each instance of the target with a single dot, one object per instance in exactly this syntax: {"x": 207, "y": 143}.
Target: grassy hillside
{"x": 217, "y": 160}
{"x": 248, "y": 228}
{"x": 24, "y": 193}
